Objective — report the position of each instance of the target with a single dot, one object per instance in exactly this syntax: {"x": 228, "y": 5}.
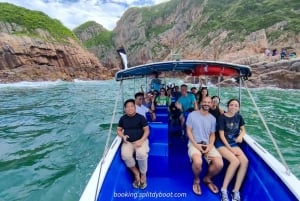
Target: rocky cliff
{"x": 34, "y": 51}
{"x": 98, "y": 41}
{"x": 282, "y": 74}
{"x": 233, "y": 31}
{"x": 204, "y": 29}
{"x": 30, "y": 59}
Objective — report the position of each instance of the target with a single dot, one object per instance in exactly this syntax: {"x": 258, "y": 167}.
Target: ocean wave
{"x": 26, "y": 84}
{"x": 273, "y": 88}
{"x": 105, "y": 82}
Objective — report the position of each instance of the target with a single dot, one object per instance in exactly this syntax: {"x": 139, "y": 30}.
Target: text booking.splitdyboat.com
{"x": 149, "y": 194}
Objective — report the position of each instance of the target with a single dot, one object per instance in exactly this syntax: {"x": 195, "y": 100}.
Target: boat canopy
{"x": 189, "y": 67}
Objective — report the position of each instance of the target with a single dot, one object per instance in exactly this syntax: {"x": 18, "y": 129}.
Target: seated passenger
{"x": 185, "y": 103}
{"x": 134, "y": 130}
{"x": 176, "y": 92}
{"x": 174, "y": 113}
{"x": 162, "y": 99}
{"x": 202, "y": 93}
{"x": 231, "y": 131}
{"x": 149, "y": 101}
{"x": 170, "y": 95}
{"x": 140, "y": 108}
{"x": 195, "y": 92}
{"x": 215, "y": 110}
{"x": 155, "y": 83}
{"x": 200, "y": 127}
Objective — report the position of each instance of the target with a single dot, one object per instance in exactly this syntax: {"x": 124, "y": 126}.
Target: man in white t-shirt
{"x": 140, "y": 108}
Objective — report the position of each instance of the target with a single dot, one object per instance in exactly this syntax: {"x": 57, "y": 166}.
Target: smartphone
{"x": 203, "y": 143}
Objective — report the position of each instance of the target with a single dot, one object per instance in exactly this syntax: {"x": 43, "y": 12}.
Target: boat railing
{"x": 268, "y": 130}
{"x": 107, "y": 143}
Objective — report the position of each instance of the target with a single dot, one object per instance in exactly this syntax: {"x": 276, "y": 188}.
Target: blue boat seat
{"x": 158, "y": 132}
{"x": 161, "y": 110}
{"x": 158, "y": 163}
{"x": 158, "y": 142}
{"x": 162, "y": 114}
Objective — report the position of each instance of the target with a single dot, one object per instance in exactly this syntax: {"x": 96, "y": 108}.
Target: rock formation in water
{"x": 282, "y": 74}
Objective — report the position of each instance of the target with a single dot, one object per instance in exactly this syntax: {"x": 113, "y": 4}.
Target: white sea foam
{"x": 274, "y": 88}
{"x": 46, "y": 84}
{"x": 26, "y": 84}
{"x": 92, "y": 81}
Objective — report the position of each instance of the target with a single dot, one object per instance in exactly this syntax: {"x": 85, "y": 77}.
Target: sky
{"x": 73, "y": 13}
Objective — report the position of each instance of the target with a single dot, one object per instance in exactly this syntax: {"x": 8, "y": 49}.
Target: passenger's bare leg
{"x": 143, "y": 178}
{"x": 233, "y": 165}
{"x": 242, "y": 170}
{"x": 196, "y": 167}
{"x": 136, "y": 173}
{"x": 214, "y": 168}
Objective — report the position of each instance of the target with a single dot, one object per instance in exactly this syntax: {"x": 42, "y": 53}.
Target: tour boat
{"x": 169, "y": 175}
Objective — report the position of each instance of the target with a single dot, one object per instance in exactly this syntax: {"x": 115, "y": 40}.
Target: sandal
{"x": 196, "y": 188}
{"x": 211, "y": 186}
{"x": 136, "y": 184}
{"x": 143, "y": 185}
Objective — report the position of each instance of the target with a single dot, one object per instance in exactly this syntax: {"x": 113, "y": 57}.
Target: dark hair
{"x": 138, "y": 94}
{"x": 183, "y": 85}
{"x": 163, "y": 89}
{"x": 233, "y": 99}
{"x": 216, "y": 97}
{"x": 200, "y": 93}
{"x": 129, "y": 101}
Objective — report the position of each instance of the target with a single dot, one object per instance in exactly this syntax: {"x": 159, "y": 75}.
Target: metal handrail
{"x": 106, "y": 148}
{"x": 268, "y": 131}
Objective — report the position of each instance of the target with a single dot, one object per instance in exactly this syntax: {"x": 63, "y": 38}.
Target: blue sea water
{"x": 52, "y": 134}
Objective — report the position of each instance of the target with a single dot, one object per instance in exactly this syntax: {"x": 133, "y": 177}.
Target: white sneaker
{"x": 224, "y": 195}
{"x": 236, "y": 196}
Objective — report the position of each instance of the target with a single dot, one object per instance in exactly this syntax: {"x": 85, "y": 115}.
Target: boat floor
{"x": 175, "y": 183}
{"x": 170, "y": 176}
{"x": 178, "y": 183}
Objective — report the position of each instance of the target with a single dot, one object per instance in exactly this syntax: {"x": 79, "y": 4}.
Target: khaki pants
{"x": 141, "y": 153}
{"x": 211, "y": 154}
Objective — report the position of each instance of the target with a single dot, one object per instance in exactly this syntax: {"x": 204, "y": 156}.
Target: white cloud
{"x": 74, "y": 13}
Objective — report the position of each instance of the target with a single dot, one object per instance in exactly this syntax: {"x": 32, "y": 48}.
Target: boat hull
{"x": 170, "y": 175}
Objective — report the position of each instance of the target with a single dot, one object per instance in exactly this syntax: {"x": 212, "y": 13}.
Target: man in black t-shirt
{"x": 134, "y": 130}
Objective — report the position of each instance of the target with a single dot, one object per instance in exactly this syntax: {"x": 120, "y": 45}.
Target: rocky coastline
{"x": 29, "y": 59}
{"x": 23, "y": 58}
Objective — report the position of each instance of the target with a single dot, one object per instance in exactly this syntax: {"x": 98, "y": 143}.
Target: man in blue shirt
{"x": 185, "y": 103}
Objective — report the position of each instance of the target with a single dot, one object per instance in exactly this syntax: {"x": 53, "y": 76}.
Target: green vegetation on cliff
{"x": 100, "y": 37}
{"x": 104, "y": 38}
{"x": 243, "y": 17}
{"x": 31, "y": 21}
{"x": 83, "y": 27}
{"x": 240, "y": 17}
{"x": 195, "y": 23}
